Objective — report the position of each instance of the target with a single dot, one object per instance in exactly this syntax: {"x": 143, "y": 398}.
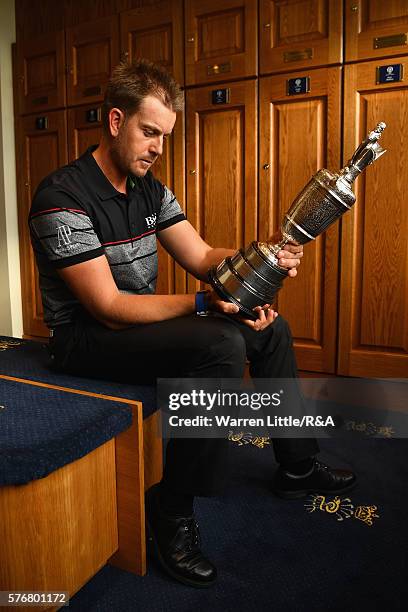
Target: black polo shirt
{"x": 77, "y": 215}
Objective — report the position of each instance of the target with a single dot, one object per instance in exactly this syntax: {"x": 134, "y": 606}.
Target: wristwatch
{"x": 201, "y": 303}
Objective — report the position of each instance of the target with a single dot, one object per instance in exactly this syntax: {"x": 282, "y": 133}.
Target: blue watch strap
{"x": 201, "y": 303}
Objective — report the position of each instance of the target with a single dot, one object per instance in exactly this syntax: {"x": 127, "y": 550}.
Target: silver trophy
{"x": 252, "y": 277}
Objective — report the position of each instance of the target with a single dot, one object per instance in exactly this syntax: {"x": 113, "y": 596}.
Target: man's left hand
{"x": 289, "y": 257}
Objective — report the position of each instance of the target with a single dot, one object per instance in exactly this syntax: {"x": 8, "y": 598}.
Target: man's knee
{"x": 225, "y": 346}
{"x": 282, "y": 326}
{"x": 280, "y": 331}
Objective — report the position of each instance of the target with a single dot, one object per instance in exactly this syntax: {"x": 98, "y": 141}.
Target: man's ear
{"x": 116, "y": 120}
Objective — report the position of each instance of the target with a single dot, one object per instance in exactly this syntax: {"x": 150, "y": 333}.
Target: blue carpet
{"x": 276, "y": 555}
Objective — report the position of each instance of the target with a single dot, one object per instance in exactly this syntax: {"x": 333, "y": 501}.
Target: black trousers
{"x": 190, "y": 346}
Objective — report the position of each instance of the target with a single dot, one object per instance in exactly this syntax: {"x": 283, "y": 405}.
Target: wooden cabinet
{"x": 220, "y": 40}
{"x": 84, "y": 129}
{"x": 156, "y": 33}
{"x": 296, "y": 34}
{"x": 373, "y": 337}
{"x": 39, "y": 152}
{"x": 222, "y": 166}
{"x": 92, "y": 53}
{"x": 375, "y": 28}
{"x": 301, "y": 134}
{"x": 40, "y": 73}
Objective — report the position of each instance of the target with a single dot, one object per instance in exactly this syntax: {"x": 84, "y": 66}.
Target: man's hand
{"x": 289, "y": 257}
{"x": 266, "y": 315}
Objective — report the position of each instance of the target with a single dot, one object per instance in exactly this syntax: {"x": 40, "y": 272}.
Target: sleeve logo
{"x": 64, "y": 236}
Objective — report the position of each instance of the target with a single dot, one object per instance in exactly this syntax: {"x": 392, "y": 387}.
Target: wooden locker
{"x": 299, "y": 34}
{"x": 222, "y": 166}
{"x": 39, "y": 152}
{"x": 373, "y": 333}
{"x": 84, "y": 129}
{"x": 88, "y": 11}
{"x": 299, "y": 135}
{"x": 375, "y": 28}
{"x": 40, "y": 73}
{"x": 221, "y": 40}
{"x": 92, "y": 53}
{"x": 170, "y": 170}
{"x": 39, "y": 18}
{"x": 155, "y": 33}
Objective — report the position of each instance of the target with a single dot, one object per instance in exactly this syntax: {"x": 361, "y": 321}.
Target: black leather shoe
{"x": 322, "y": 479}
{"x": 176, "y": 544}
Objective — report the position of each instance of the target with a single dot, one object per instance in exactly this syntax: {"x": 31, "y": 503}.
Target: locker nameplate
{"x": 221, "y": 96}
{"x": 41, "y": 123}
{"x": 382, "y": 42}
{"x": 297, "y": 56}
{"x": 298, "y": 85}
{"x": 219, "y": 68}
{"x": 389, "y": 73}
{"x": 93, "y": 115}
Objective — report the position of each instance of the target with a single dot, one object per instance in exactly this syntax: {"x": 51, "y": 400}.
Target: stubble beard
{"x": 119, "y": 156}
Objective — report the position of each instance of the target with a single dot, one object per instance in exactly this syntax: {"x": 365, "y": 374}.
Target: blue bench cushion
{"x": 30, "y": 360}
{"x": 42, "y": 429}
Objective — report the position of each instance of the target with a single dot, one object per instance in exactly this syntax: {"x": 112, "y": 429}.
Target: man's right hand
{"x": 266, "y": 315}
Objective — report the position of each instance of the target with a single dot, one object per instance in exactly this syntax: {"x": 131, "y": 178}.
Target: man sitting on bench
{"x": 94, "y": 225}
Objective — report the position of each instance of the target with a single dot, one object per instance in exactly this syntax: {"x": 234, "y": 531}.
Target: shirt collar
{"x": 101, "y": 184}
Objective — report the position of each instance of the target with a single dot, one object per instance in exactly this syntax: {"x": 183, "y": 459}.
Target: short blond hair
{"x": 130, "y": 83}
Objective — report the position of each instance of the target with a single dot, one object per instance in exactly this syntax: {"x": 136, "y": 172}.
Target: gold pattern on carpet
{"x": 370, "y": 429}
{"x": 242, "y": 438}
{"x": 342, "y": 508}
{"x": 7, "y": 344}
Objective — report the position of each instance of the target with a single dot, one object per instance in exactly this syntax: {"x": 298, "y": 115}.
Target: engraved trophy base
{"x": 249, "y": 278}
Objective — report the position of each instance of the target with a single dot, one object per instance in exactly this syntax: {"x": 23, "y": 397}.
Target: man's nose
{"x": 156, "y": 146}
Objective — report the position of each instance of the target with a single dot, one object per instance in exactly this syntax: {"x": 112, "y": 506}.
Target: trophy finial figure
{"x": 368, "y": 151}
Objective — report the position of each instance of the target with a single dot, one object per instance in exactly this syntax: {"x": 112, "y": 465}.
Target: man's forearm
{"x": 125, "y": 310}
{"x": 213, "y": 258}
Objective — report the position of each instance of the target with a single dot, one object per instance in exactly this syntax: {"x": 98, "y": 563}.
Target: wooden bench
{"x": 61, "y": 528}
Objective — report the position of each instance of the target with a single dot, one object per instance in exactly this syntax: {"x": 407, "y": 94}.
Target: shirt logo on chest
{"x": 151, "y": 221}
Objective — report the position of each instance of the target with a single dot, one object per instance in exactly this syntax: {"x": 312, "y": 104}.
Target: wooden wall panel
{"x": 296, "y": 34}
{"x": 170, "y": 170}
{"x": 156, "y": 33}
{"x": 221, "y": 40}
{"x": 40, "y": 73}
{"x": 37, "y": 18}
{"x": 92, "y": 53}
{"x": 83, "y": 130}
{"x": 300, "y": 135}
{"x": 222, "y": 165}
{"x": 373, "y": 338}
{"x": 39, "y": 152}
{"x": 374, "y": 28}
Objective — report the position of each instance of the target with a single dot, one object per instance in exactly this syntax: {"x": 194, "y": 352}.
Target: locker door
{"x": 300, "y": 134}
{"x": 40, "y": 151}
{"x": 373, "y": 339}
